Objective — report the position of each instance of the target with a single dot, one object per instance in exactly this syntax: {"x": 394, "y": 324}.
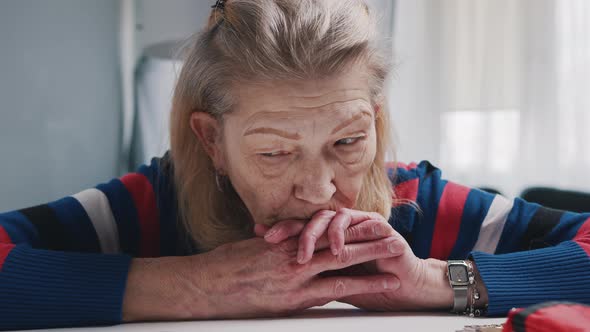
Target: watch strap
{"x": 460, "y": 298}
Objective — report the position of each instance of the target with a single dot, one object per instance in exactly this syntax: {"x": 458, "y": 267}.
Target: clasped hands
{"x": 347, "y": 255}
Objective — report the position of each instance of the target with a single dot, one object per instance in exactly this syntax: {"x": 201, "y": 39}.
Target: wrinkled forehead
{"x": 337, "y": 97}
{"x": 333, "y": 116}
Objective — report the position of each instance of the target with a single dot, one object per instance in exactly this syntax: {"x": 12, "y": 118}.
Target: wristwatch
{"x": 460, "y": 277}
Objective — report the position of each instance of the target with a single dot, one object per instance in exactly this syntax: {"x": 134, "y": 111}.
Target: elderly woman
{"x": 275, "y": 197}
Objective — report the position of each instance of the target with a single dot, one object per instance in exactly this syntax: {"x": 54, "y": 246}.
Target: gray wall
{"x": 160, "y": 21}
{"x": 59, "y": 98}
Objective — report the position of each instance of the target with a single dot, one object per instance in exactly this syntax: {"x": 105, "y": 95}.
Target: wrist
{"x": 157, "y": 289}
{"x": 440, "y": 290}
{"x": 470, "y": 294}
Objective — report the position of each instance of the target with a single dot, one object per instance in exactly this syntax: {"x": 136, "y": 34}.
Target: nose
{"x": 314, "y": 183}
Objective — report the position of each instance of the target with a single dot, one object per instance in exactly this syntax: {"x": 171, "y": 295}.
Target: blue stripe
{"x": 19, "y": 228}
{"x": 125, "y": 215}
{"x": 148, "y": 172}
{"x": 166, "y": 197}
{"x": 476, "y": 208}
{"x": 430, "y": 191}
{"x": 77, "y": 224}
{"x": 524, "y": 278}
{"x": 402, "y": 174}
{"x": 516, "y": 225}
{"x": 568, "y": 227}
{"x": 44, "y": 289}
{"x": 402, "y": 217}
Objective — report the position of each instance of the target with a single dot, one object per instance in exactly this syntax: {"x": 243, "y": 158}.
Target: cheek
{"x": 350, "y": 180}
{"x": 262, "y": 196}
{"x": 349, "y": 187}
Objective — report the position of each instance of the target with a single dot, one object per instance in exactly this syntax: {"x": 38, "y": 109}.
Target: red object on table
{"x": 549, "y": 317}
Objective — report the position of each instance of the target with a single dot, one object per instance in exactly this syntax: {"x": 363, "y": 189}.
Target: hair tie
{"x": 219, "y": 4}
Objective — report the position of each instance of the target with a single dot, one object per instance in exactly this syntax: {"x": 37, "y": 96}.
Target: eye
{"x": 274, "y": 154}
{"x": 348, "y": 140}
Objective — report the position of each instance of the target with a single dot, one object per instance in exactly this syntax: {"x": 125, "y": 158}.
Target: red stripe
{"x": 407, "y": 190}
{"x": 144, "y": 199}
{"x": 4, "y": 238}
{"x": 582, "y": 238}
{"x": 4, "y": 251}
{"x": 407, "y": 167}
{"x": 448, "y": 220}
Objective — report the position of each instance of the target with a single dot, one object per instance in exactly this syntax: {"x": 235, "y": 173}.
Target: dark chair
{"x": 568, "y": 200}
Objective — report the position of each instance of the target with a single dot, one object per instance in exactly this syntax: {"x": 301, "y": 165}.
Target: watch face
{"x": 458, "y": 273}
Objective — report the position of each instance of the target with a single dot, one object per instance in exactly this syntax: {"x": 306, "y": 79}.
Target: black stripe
{"x": 52, "y": 233}
{"x": 542, "y": 222}
{"x": 519, "y": 320}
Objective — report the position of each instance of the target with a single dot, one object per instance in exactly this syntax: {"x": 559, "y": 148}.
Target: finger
{"x": 335, "y": 288}
{"x": 357, "y": 253}
{"x": 343, "y": 219}
{"x": 260, "y": 230}
{"x": 336, "y": 230}
{"x": 366, "y": 231}
{"x": 284, "y": 230}
{"x": 311, "y": 233}
{"x": 357, "y": 216}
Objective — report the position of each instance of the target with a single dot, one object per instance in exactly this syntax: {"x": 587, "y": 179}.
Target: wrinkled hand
{"x": 421, "y": 285}
{"x": 252, "y": 278}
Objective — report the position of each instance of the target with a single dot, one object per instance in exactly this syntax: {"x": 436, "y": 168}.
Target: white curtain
{"x": 494, "y": 92}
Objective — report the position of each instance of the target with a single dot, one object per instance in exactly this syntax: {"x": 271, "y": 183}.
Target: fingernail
{"x": 334, "y": 251}
{"x": 300, "y": 256}
{"x": 391, "y": 284}
{"x": 271, "y": 233}
{"x": 377, "y": 230}
{"x": 391, "y": 248}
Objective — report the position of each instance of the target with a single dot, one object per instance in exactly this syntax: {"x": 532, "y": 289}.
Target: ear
{"x": 208, "y": 131}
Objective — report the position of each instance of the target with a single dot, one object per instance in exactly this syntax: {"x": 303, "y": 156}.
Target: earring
{"x": 218, "y": 181}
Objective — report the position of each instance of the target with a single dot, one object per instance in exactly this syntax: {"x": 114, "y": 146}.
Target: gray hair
{"x": 251, "y": 40}
{"x": 262, "y": 40}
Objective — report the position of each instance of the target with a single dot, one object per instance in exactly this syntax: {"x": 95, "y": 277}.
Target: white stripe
{"x": 98, "y": 209}
{"x": 493, "y": 225}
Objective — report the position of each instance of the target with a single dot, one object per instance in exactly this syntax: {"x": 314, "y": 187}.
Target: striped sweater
{"x": 65, "y": 263}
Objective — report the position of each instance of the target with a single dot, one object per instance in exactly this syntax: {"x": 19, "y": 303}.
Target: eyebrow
{"x": 296, "y": 136}
{"x": 273, "y": 131}
{"x": 346, "y": 123}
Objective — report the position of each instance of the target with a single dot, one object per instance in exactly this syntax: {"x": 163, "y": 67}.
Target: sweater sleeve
{"x": 65, "y": 263}
{"x": 525, "y": 253}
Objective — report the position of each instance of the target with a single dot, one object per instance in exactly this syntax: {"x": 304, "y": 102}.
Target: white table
{"x": 334, "y": 317}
